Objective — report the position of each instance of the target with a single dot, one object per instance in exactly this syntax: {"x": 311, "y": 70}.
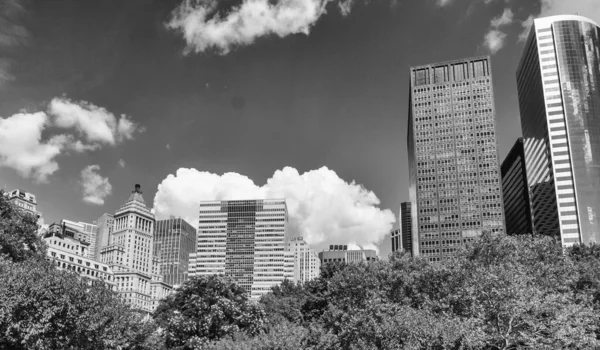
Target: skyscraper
{"x": 558, "y": 81}
{"x": 396, "y": 234}
{"x": 105, "y": 225}
{"x": 306, "y": 264}
{"x": 130, "y": 252}
{"x": 455, "y": 187}
{"x": 174, "y": 241}
{"x": 405, "y": 219}
{"x": 244, "y": 240}
{"x": 515, "y": 191}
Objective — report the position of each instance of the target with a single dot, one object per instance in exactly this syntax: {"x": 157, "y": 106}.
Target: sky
{"x": 238, "y": 99}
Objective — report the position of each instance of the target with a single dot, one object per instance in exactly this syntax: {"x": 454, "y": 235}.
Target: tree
{"x": 204, "y": 309}
{"x": 45, "y": 308}
{"x": 18, "y": 233}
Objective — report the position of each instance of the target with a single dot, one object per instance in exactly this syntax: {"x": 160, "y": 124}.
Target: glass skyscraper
{"x": 558, "y": 81}
{"x": 515, "y": 191}
{"x": 244, "y": 240}
{"x": 455, "y": 187}
{"x": 402, "y": 236}
{"x": 174, "y": 241}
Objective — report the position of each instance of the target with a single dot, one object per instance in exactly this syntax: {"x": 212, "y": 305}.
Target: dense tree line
{"x": 519, "y": 292}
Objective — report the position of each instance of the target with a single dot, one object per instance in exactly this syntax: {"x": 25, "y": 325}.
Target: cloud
{"x": 504, "y": 19}
{"x": 95, "y": 187}
{"x": 322, "y": 207}
{"x": 526, "y": 25}
{"x": 85, "y": 127}
{"x": 95, "y": 124}
{"x": 168, "y": 146}
{"x": 22, "y": 147}
{"x": 121, "y": 163}
{"x": 443, "y": 3}
{"x": 203, "y": 28}
{"x": 494, "y": 39}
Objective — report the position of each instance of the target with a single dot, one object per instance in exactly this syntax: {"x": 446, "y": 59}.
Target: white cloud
{"x": 443, "y": 3}
{"x": 526, "y": 25}
{"x": 22, "y": 147}
{"x": 94, "y": 123}
{"x": 121, "y": 163}
{"x": 25, "y": 149}
{"x": 494, "y": 40}
{"x": 13, "y": 34}
{"x": 203, "y": 29}
{"x": 587, "y": 8}
{"x": 504, "y": 19}
{"x": 95, "y": 187}
{"x": 323, "y": 208}
{"x": 168, "y": 146}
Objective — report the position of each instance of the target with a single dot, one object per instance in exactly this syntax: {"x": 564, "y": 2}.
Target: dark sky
{"x": 337, "y": 97}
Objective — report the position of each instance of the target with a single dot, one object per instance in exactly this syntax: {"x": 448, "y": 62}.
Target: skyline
{"x": 326, "y": 124}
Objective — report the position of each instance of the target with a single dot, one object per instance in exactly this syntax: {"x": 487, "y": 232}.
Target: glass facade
{"x": 559, "y": 94}
{"x": 174, "y": 241}
{"x": 453, "y": 161}
{"x": 515, "y": 191}
{"x": 244, "y": 240}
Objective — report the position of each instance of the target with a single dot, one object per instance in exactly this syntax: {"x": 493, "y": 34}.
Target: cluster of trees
{"x": 499, "y": 293}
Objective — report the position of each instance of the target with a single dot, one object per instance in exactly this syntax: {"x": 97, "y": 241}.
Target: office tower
{"x": 558, "y": 81}
{"x": 243, "y": 240}
{"x": 174, "y": 241}
{"x": 70, "y": 254}
{"x": 129, "y": 252}
{"x": 515, "y": 191}
{"x": 405, "y": 221}
{"x": 306, "y": 262}
{"x": 341, "y": 254}
{"x": 455, "y": 186}
{"x": 88, "y": 234}
{"x": 396, "y": 235}
{"x": 105, "y": 224}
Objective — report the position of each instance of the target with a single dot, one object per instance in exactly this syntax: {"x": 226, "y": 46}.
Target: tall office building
{"x": 174, "y": 241}
{"x": 306, "y": 263}
{"x": 455, "y": 186}
{"x": 88, "y": 234}
{"x": 396, "y": 235}
{"x": 105, "y": 225}
{"x": 244, "y": 240}
{"x": 405, "y": 221}
{"x": 558, "y": 80}
{"x": 129, "y": 252}
{"x": 515, "y": 191}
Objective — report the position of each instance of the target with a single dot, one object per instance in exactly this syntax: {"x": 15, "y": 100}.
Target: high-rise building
{"x": 558, "y": 81}
{"x": 88, "y": 234}
{"x": 455, "y": 186}
{"x": 341, "y": 254}
{"x": 130, "y": 252}
{"x": 396, "y": 235}
{"x": 174, "y": 241}
{"x": 306, "y": 262}
{"x": 105, "y": 225}
{"x": 515, "y": 191}
{"x": 244, "y": 240}
{"x": 405, "y": 223}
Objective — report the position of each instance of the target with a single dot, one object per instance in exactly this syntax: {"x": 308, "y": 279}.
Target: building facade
{"x": 69, "y": 254}
{"x": 341, "y": 254}
{"x": 105, "y": 225}
{"x": 455, "y": 187}
{"x": 244, "y": 240}
{"x": 558, "y": 81}
{"x": 306, "y": 262}
{"x": 174, "y": 241}
{"x": 129, "y": 252}
{"x": 396, "y": 235}
{"x": 25, "y": 201}
{"x": 515, "y": 191}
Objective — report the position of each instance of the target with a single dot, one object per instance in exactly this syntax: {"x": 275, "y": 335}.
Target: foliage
{"x": 205, "y": 309}
{"x": 18, "y": 238}
{"x": 45, "y": 308}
